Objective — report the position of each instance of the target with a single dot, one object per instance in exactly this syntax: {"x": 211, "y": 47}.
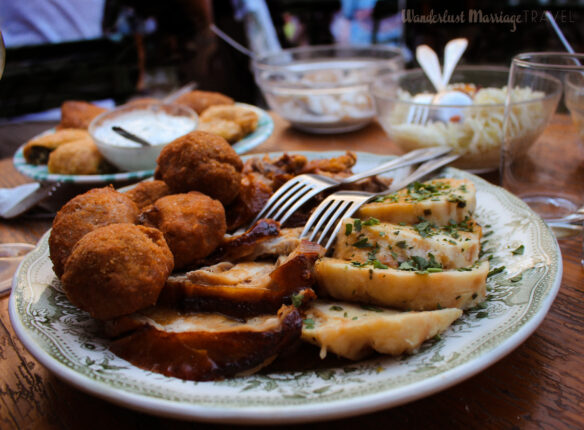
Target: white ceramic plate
{"x": 40, "y": 173}
{"x": 64, "y": 339}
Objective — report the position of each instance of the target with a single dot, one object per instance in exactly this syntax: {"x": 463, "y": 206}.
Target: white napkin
{"x": 10, "y": 198}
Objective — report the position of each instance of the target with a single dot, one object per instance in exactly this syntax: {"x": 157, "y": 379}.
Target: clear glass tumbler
{"x": 543, "y": 164}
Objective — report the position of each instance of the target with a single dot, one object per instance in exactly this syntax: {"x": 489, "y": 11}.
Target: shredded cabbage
{"x": 479, "y": 133}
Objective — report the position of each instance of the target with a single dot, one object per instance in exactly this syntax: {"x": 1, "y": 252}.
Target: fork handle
{"x": 412, "y": 157}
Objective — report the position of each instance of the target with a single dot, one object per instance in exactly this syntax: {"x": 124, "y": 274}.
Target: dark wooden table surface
{"x": 538, "y": 385}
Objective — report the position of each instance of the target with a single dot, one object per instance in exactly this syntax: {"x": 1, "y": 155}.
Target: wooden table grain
{"x": 538, "y": 385}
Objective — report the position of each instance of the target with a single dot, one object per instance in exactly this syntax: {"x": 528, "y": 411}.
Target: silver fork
{"x": 300, "y": 189}
{"x": 420, "y": 110}
{"x": 327, "y": 217}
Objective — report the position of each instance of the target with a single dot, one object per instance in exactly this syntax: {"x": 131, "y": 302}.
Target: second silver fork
{"x": 300, "y": 189}
{"x": 326, "y": 220}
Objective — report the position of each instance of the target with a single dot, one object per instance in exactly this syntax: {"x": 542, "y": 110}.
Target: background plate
{"x": 65, "y": 339}
{"x": 40, "y": 173}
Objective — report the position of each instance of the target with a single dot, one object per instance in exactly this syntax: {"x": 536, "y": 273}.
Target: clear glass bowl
{"x": 325, "y": 89}
{"x": 475, "y": 131}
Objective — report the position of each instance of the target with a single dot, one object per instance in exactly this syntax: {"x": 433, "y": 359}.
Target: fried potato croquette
{"x": 80, "y": 157}
{"x": 193, "y": 225}
{"x": 37, "y": 150}
{"x": 84, "y": 213}
{"x": 147, "y": 192}
{"x": 199, "y": 100}
{"x": 78, "y": 114}
{"x": 201, "y": 161}
{"x": 228, "y": 130}
{"x": 246, "y": 118}
{"x": 117, "y": 269}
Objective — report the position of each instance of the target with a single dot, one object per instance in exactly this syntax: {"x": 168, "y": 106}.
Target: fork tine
{"x": 320, "y": 213}
{"x": 348, "y": 213}
{"x": 299, "y": 195}
{"x": 425, "y": 114}
{"x": 283, "y": 193}
{"x": 332, "y": 221}
{"x": 333, "y": 207}
{"x": 298, "y": 204}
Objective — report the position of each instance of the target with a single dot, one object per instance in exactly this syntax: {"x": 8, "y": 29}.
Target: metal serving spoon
{"x": 130, "y": 136}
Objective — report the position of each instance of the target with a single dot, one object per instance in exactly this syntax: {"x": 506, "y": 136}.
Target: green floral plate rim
{"x": 520, "y": 244}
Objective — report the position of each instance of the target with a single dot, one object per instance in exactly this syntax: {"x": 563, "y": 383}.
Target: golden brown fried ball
{"x": 117, "y": 269}
{"x": 37, "y": 150}
{"x": 78, "y": 114}
{"x": 193, "y": 225}
{"x": 199, "y": 100}
{"x": 147, "y": 192}
{"x": 80, "y": 157}
{"x": 84, "y": 213}
{"x": 201, "y": 161}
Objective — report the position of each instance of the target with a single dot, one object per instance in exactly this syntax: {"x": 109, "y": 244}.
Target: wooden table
{"x": 539, "y": 385}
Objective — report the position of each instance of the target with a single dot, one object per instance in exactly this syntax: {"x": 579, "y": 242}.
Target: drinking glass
{"x": 544, "y": 164}
{"x": 10, "y": 253}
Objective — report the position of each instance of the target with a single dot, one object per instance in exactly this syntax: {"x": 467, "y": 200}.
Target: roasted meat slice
{"x": 247, "y": 288}
{"x": 254, "y": 192}
{"x": 204, "y": 347}
{"x": 261, "y": 240}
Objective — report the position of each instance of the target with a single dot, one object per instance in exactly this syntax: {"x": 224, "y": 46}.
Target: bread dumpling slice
{"x": 353, "y": 331}
{"x": 439, "y": 201}
{"x": 453, "y": 245}
{"x": 402, "y": 289}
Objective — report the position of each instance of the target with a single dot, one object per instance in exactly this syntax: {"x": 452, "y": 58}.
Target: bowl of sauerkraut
{"x": 474, "y": 130}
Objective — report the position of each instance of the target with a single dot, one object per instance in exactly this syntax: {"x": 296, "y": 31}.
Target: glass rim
{"x": 530, "y": 59}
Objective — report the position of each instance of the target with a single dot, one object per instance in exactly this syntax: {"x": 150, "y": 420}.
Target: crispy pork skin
{"x": 244, "y": 289}
{"x": 205, "y": 347}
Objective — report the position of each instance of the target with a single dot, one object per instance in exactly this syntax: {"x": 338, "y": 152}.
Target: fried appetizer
{"x": 193, "y": 224}
{"x": 229, "y": 121}
{"x": 146, "y": 193}
{"x": 80, "y": 157}
{"x": 204, "y": 346}
{"x": 201, "y": 161}
{"x": 37, "y": 150}
{"x": 228, "y": 130}
{"x": 199, "y": 100}
{"x": 78, "y": 114}
{"x": 117, "y": 269}
{"x": 84, "y": 213}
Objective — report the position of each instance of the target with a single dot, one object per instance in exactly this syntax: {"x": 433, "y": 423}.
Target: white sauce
{"x": 158, "y": 128}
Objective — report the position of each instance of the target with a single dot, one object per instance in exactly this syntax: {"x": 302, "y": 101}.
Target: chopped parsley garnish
{"x": 421, "y": 265}
{"x": 362, "y": 243}
{"x": 336, "y": 308}
{"x": 348, "y": 229}
{"x": 297, "y": 300}
{"x": 371, "y": 221}
{"x": 495, "y": 271}
{"x": 518, "y": 251}
{"x": 357, "y": 225}
{"x": 308, "y": 323}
